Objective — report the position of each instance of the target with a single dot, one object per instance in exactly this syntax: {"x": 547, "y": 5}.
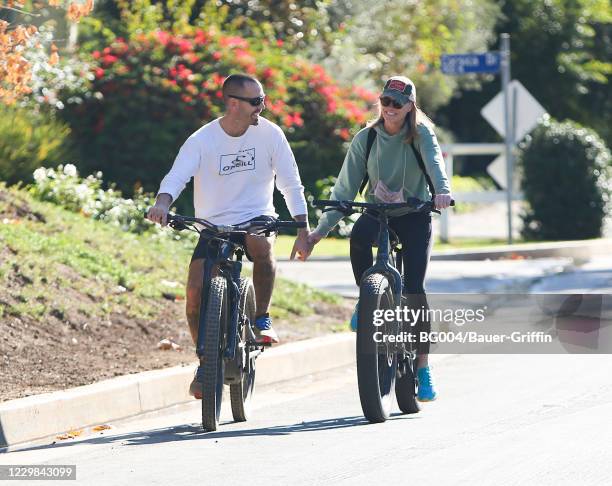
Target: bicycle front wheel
{"x": 376, "y": 362}
{"x": 212, "y": 361}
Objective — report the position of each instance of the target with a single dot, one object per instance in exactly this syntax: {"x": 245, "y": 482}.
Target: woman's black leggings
{"x": 414, "y": 233}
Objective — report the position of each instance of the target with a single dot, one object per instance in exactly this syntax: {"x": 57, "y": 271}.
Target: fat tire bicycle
{"x": 227, "y": 346}
{"x": 383, "y": 368}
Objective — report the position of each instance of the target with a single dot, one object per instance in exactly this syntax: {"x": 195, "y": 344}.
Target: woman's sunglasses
{"x": 258, "y": 100}
{"x": 386, "y": 101}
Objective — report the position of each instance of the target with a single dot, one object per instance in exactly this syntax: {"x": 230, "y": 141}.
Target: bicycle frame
{"x": 220, "y": 252}
{"x": 382, "y": 265}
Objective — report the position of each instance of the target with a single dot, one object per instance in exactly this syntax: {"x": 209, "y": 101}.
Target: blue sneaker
{"x": 354, "y": 320}
{"x": 426, "y": 388}
{"x": 264, "y": 331}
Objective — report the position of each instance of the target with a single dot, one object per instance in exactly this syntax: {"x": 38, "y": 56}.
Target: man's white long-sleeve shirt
{"x": 234, "y": 176}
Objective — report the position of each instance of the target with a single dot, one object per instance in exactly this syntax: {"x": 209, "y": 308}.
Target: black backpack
{"x": 371, "y": 137}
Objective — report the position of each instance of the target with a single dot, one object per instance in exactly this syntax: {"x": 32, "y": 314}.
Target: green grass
{"x": 336, "y": 247}
{"x": 71, "y": 262}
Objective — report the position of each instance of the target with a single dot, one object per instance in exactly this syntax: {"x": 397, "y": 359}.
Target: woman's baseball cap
{"x": 401, "y": 89}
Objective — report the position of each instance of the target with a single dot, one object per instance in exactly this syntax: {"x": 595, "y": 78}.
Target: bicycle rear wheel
{"x": 242, "y": 392}
{"x": 376, "y": 362}
{"x": 212, "y": 361}
{"x": 406, "y": 387}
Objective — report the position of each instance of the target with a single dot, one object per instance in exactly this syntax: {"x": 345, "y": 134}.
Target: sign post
{"x": 508, "y": 125}
{"x": 513, "y": 113}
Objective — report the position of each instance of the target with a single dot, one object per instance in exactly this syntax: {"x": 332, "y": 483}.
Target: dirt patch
{"x": 67, "y": 348}
{"x": 15, "y": 208}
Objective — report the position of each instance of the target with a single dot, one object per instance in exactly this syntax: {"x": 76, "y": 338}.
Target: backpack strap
{"x": 371, "y": 137}
{"x": 417, "y": 154}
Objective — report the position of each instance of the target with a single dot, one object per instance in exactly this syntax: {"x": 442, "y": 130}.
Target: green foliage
{"x": 561, "y": 52}
{"x": 571, "y": 65}
{"x": 295, "y": 25}
{"x": 157, "y": 89}
{"x": 567, "y": 181}
{"x": 65, "y": 188}
{"x": 28, "y": 140}
{"x": 62, "y": 255}
{"x": 408, "y": 37}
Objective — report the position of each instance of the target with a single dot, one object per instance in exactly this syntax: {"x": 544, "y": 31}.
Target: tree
{"x": 408, "y": 37}
{"x": 561, "y": 51}
{"x": 19, "y": 36}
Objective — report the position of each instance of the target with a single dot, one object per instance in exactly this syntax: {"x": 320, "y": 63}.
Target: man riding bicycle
{"x": 234, "y": 161}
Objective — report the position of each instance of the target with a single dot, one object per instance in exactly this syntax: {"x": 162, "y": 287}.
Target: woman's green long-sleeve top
{"x": 392, "y": 161}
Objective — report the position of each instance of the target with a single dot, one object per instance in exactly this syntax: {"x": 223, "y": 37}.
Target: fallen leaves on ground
{"x": 166, "y": 344}
{"x": 71, "y": 434}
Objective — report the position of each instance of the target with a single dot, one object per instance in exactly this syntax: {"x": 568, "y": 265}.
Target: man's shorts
{"x": 201, "y": 248}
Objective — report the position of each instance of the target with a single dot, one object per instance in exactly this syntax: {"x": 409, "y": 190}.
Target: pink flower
{"x": 163, "y": 37}
{"x": 109, "y": 59}
{"x": 200, "y": 37}
{"x": 184, "y": 46}
{"x": 297, "y": 119}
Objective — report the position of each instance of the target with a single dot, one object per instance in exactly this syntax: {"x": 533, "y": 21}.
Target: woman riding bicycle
{"x": 393, "y": 143}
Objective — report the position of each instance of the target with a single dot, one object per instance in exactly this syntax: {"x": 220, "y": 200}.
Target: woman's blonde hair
{"x": 414, "y": 117}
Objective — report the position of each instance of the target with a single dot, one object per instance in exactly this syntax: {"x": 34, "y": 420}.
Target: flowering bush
{"x": 64, "y": 187}
{"x": 158, "y": 88}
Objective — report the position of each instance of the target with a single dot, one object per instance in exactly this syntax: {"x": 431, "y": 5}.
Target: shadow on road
{"x": 194, "y": 432}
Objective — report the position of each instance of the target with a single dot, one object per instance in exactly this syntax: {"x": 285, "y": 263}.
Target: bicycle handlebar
{"x": 348, "y": 206}
{"x": 179, "y": 222}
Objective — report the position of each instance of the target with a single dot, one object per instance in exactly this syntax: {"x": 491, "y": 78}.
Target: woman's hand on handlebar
{"x": 442, "y": 201}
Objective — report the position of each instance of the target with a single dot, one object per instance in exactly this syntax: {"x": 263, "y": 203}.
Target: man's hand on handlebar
{"x": 159, "y": 212}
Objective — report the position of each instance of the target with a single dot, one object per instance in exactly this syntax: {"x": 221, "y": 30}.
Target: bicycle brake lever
{"x": 177, "y": 225}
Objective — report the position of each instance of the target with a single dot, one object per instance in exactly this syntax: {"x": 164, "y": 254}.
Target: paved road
{"x": 500, "y": 420}
{"x": 442, "y": 276}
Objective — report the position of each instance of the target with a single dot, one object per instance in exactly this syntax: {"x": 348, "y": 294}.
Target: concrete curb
{"x": 40, "y": 416}
{"x": 582, "y": 249}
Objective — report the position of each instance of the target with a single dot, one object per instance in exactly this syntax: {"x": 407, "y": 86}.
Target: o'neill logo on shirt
{"x": 231, "y": 163}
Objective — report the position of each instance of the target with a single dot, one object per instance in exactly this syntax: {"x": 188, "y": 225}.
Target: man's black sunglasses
{"x": 252, "y": 101}
{"x": 386, "y": 101}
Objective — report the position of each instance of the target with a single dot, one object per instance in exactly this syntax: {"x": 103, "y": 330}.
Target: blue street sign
{"x": 456, "y": 64}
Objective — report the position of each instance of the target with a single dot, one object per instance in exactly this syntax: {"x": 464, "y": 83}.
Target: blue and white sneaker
{"x": 426, "y": 392}
{"x": 354, "y": 319}
{"x": 264, "y": 331}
